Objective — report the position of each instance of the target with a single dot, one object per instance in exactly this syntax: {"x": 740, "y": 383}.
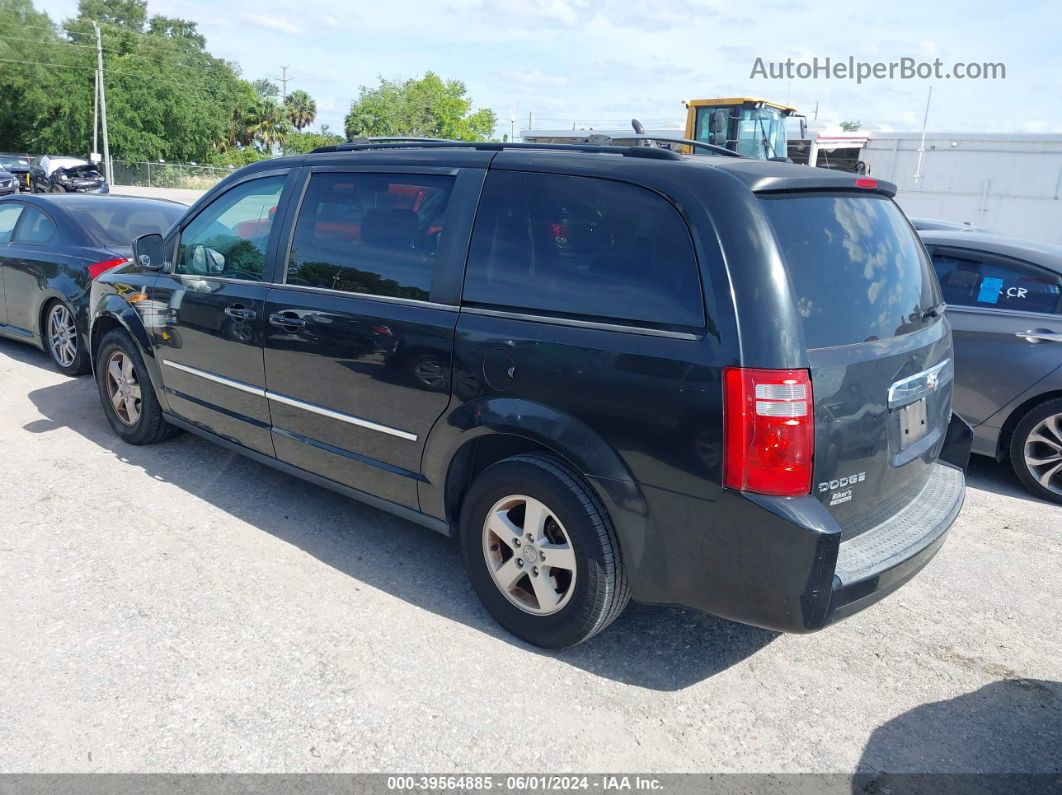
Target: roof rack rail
{"x": 713, "y": 148}
{"x": 491, "y": 146}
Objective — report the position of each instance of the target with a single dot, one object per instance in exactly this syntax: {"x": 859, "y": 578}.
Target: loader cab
{"x": 753, "y": 128}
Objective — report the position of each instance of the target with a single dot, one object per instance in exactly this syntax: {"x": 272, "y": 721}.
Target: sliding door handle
{"x": 240, "y": 312}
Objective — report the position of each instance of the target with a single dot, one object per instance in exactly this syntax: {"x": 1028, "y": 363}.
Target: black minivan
{"x": 611, "y": 372}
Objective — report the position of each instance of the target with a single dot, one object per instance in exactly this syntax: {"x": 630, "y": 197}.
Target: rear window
{"x": 857, "y": 270}
{"x": 117, "y": 224}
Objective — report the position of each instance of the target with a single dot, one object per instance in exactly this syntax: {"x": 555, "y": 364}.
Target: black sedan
{"x": 51, "y": 248}
{"x": 60, "y": 174}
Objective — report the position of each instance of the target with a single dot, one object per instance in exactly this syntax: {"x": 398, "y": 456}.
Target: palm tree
{"x": 269, "y": 125}
{"x": 301, "y": 109}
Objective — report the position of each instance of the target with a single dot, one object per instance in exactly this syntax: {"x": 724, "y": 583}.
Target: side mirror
{"x": 717, "y": 127}
{"x": 149, "y": 252}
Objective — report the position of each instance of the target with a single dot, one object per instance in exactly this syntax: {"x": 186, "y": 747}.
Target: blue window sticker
{"x": 990, "y": 289}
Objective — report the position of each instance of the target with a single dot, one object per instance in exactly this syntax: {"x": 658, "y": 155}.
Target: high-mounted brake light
{"x": 865, "y": 182}
{"x": 769, "y": 437}
{"x": 98, "y": 269}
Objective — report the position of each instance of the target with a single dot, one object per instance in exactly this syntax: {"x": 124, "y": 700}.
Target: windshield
{"x": 758, "y": 133}
{"x": 857, "y": 269}
{"x": 6, "y": 161}
{"x": 88, "y": 171}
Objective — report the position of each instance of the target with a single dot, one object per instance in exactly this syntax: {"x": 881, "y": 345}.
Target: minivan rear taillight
{"x": 97, "y": 269}
{"x": 769, "y": 436}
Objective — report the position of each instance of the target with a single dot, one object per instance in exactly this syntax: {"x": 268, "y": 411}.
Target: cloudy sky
{"x": 600, "y": 62}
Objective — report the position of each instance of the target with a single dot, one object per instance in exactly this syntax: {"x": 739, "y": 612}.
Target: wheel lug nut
{"x": 541, "y": 555}
{"x": 534, "y": 571}
{"x": 519, "y": 563}
{"x": 530, "y": 537}
{"x": 517, "y": 542}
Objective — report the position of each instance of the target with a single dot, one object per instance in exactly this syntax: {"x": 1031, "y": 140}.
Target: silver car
{"x": 1004, "y": 299}
{"x": 8, "y": 183}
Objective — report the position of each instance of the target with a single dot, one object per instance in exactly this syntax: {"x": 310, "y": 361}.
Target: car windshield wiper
{"x": 934, "y": 311}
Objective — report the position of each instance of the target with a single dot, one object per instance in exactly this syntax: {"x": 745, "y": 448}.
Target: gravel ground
{"x": 179, "y": 608}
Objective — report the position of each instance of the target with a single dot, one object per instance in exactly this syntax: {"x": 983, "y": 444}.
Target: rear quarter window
{"x": 583, "y": 247}
{"x": 857, "y": 269}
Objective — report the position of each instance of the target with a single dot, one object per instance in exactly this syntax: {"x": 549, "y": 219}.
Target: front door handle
{"x": 1039, "y": 335}
{"x": 286, "y": 319}
{"x": 240, "y": 312}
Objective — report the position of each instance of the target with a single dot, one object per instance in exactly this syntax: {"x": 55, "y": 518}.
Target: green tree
{"x": 851, "y": 126}
{"x": 428, "y": 107}
{"x": 301, "y": 143}
{"x": 167, "y": 96}
{"x": 22, "y": 84}
{"x": 266, "y": 88}
{"x": 301, "y": 109}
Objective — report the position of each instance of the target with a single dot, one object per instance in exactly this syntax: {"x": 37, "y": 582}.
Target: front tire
{"x": 541, "y": 551}
{"x": 62, "y": 340}
{"x": 126, "y": 392}
{"x": 1036, "y": 450}
{"x": 57, "y": 189}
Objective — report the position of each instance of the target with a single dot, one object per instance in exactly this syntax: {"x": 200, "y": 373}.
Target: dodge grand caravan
{"x": 609, "y": 372}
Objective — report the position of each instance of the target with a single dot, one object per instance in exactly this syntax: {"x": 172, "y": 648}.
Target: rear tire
{"x": 57, "y": 189}
{"x": 62, "y": 340}
{"x": 1036, "y": 450}
{"x": 553, "y": 606}
{"x": 126, "y": 392}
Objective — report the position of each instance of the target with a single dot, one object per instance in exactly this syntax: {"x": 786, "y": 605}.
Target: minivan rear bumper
{"x": 876, "y": 563}
{"x": 780, "y": 563}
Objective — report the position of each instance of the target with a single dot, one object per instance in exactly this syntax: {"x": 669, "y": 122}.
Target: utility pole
{"x": 284, "y": 81}
{"x": 922, "y": 145}
{"x": 816, "y": 110}
{"x": 529, "y": 114}
{"x": 96, "y": 113}
{"x": 512, "y": 125}
{"x": 103, "y": 107}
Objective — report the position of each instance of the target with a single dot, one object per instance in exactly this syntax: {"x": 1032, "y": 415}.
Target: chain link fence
{"x": 167, "y": 175}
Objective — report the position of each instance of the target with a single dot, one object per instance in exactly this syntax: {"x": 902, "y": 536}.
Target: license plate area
{"x": 913, "y": 424}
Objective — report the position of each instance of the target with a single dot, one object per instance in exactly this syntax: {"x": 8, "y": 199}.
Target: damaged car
{"x": 60, "y": 174}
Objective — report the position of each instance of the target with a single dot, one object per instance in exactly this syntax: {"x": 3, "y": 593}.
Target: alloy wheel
{"x": 123, "y": 388}
{"x": 529, "y": 555}
{"x": 1043, "y": 453}
{"x": 62, "y": 335}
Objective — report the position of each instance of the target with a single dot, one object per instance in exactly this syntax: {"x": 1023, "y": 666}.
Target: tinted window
{"x": 9, "y": 213}
{"x": 582, "y": 246}
{"x": 971, "y": 282}
{"x": 34, "y": 227}
{"x": 857, "y": 270}
{"x": 376, "y": 234}
{"x": 229, "y": 238}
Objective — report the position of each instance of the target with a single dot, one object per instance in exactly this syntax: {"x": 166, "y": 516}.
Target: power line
{"x": 45, "y": 41}
{"x": 43, "y": 63}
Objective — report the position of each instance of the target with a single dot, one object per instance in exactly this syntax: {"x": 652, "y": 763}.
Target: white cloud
{"x": 274, "y": 22}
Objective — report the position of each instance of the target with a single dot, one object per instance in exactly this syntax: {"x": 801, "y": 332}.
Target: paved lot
{"x": 178, "y": 608}
{"x": 182, "y": 195}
